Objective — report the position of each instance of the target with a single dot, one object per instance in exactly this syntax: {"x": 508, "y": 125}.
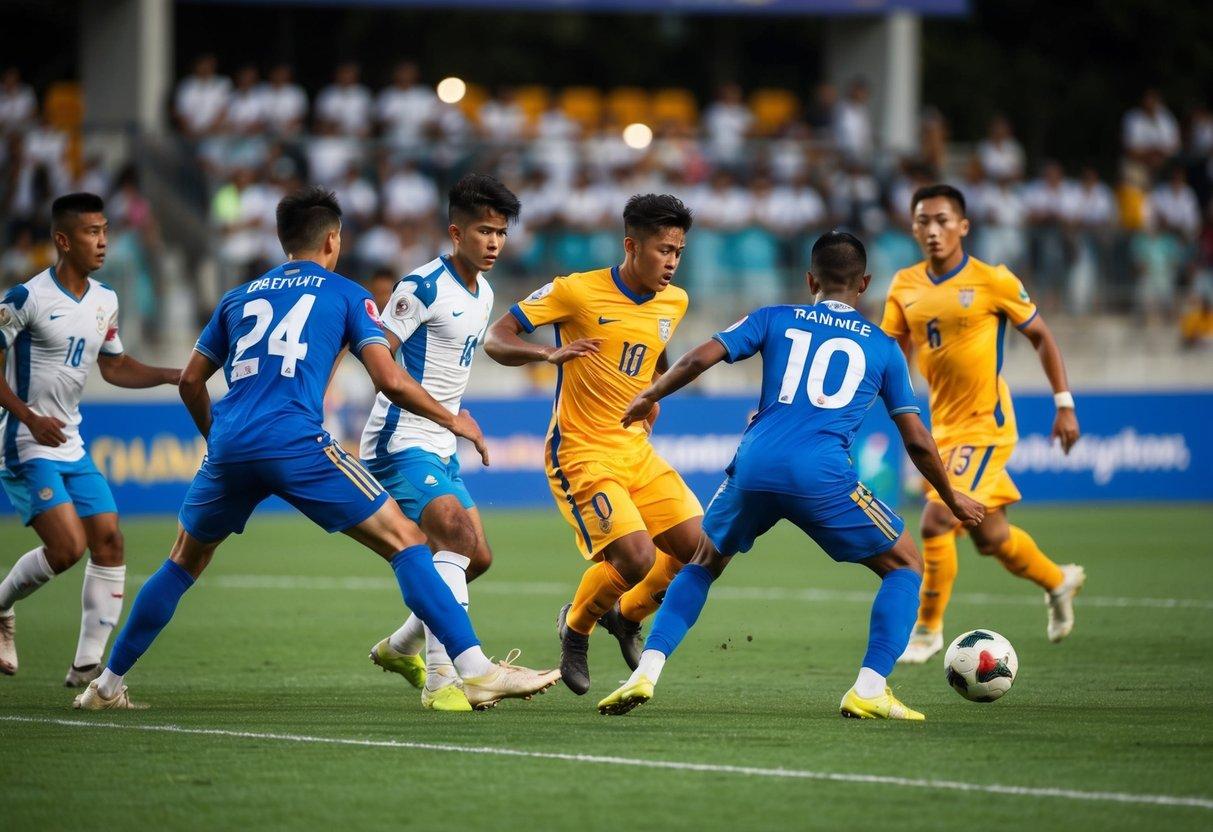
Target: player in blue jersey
{"x": 277, "y": 339}
{"x": 824, "y": 366}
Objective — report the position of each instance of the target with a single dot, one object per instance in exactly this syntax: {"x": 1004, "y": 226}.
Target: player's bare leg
{"x": 1020, "y": 556}
{"x": 622, "y": 564}
{"x": 100, "y": 597}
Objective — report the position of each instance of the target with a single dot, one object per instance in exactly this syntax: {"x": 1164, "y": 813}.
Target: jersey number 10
{"x": 857, "y": 364}
{"x": 284, "y": 340}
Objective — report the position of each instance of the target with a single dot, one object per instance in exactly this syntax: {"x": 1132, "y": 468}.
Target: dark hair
{"x": 646, "y": 214}
{"x": 305, "y": 217}
{"x": 932, "y": 191}
{"x": 73, "y": 205}
{"x": 473, "y": 194}
{"x": 838, "y": 259}
{"x": 383, "y": 272}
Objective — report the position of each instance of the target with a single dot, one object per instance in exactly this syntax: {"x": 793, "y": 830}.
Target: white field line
{"x": 725, "y": 593}
{"x": 636, "y": 762}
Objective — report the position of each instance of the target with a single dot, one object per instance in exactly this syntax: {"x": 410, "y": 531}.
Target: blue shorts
{"x": 40, "y": 484}
{"x": 849, "y": 528}
{"x": 327, "y": 485}
{"x": 415, "y": 477}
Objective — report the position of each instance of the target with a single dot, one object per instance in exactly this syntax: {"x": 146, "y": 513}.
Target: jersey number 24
{"x": 284, "y": 340}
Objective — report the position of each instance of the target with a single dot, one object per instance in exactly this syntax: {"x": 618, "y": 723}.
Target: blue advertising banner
{"x": 1149, "y": 446}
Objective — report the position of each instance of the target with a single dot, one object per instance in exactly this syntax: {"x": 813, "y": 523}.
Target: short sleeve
{"x": 112, "y": 343}
{"x": 896, "y": 390}
{"x": 363, "y": 326}
{"x": 213, "y": 342}
{"x": 1011, "y": 298}
{"x": 745, "y": 337}
{"x": 548, "y": 304}
{"x": 893, "y": 321}
{"x": 406, "y": 311}
{"x": 16, "y": 310}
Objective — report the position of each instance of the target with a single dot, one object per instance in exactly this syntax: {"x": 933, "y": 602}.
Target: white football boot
{"x": 1061, "y": 601}
{"x": 8, "y": 644}
{"x": 92, "y": 700}
{"x": 507, "y": 681}
{"x": 923, "y": 645}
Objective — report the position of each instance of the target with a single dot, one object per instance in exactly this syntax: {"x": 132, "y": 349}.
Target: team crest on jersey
{"x": 541, "y": 292}
{"x": 664, "y": 327}
{"x": 966, "y": 297}
{"x": 371, "y": 311}
{"x": 402, "y": 307}
{"x": 45, "y": 494}
{"x": 6, "y": 317}
{"x": 102, "y": 322}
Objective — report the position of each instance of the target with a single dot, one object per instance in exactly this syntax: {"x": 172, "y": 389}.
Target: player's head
{"x": 309, "y": 226}
{"x": 655, "y": 228}
{"x": 938, "y": 220}
{"x": 838, "y": 265}
{"x": 480, "y": 210}
{"x": 80, "y": 230}
{"x": 380, "y": 285}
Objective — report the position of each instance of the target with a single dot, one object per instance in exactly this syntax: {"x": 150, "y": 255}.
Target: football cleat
{"x": 8, "y": 644}
{"x": 923, "y": 645}
{"x": 627, "y": 697}
{"x": 885, "y": 706}
{"x": 507, "y": 681}
{"x": 627, "y": 633}
{"x": 448, "y": 697}
{"x": 92, "y": 700}
{"x": 411, "y": 668}
{"x": 79, "y": 677}
{"x": 1061, "y": 601}
{"x": 574, "y": 663}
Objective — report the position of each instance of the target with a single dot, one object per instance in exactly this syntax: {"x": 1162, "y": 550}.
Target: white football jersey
{"x": 52, "y": 342}
{"x": 439, "y": 324}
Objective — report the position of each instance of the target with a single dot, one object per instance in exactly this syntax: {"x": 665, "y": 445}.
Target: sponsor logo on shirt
{"x": 541, "y": 292}
{"x": 371, "y": 311}
{"x": 401, "y": 307}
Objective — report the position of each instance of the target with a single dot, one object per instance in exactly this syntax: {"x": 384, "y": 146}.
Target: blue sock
{"x": 153, "y": 607}
{"x": 680, "y": 609}
{"x": 426, "y": 594}
{"x": 893, "y": 612}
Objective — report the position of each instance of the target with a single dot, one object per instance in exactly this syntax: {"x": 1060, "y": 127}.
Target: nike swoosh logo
{"x": 456, "y": 314}
{"x": 602, "y": 320}
{"x": 56, "y": 317}
{"x": 911, "y": 303}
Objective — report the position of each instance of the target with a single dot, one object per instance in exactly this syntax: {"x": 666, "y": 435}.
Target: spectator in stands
{"x": 788, "y": 154}
{"x": 1196, "y": 325}
{"x": 1174, "y": 207}
{"x": 202, "y": 98}
{"x": 406, "y": 109}
{"x": 345, "y": 104}
{"x": 722, "y": 204}
{"x": 378, "y": 247}
{"x": 1150, "y": 133}
{"x": 284, "y": 101}
{"x": 42, "y": 173}
{"x": 358, "y": 198}
{"x": 820, "y": 113}
{"x": 1001, "y": 156}
{"x": 18, "y": 105}
{"x": 1003, "y": 238}
{"x": 1200, "y": 132}
{"x": 330, "y": 154}
{"x": 380, "y": 285}
{"x": 1050, "y": 203}
{"x": 246, "y": 112}
{"x": 93, "y": 177}
{"x": 1093, "y": 218}
{"x": 502, "y": 121}
{"x": 21, "y": 258}
{"x": 409, "y": 195}
{"x": 244, "y": 213}
{"x": 1157, "y": 258}
{"x": 933, "y": 142}
{"x": 555, "y": 147}
{"x": 727, "y": 124}
{"x": 854, "y": 192}
{"x": 853, "y": 132}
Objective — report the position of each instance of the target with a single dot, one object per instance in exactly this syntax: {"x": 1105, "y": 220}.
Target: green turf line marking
{"x": 785, "y": 773}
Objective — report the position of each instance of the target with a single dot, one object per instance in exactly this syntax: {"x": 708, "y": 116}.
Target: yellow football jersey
{"x": 957, "y": 323}
{"x": 593, "y": 391}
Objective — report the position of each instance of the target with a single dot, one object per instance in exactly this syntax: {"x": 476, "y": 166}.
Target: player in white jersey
{"x": 53, "y": 329}
{"x": 437, "y": 316}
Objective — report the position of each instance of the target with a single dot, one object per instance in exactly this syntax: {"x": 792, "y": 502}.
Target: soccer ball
{"x": 981, "y": 665}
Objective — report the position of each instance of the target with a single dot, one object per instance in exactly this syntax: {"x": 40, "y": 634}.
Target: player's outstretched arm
{"x": 504, "y": 346}
{"x": 124, "y": 371}
{"x": 404, "y": 391}
{"x": 46, "y": 430}
{"x": 685, "y": 370}
{"x": 1065, "y": 424}
{"x": 924, "y": 453}
{"x": 193, "y": 392}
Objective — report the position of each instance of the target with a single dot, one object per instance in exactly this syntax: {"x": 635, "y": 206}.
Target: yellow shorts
{"x": 980, "y": 471}
{"x": 604, "y": 500}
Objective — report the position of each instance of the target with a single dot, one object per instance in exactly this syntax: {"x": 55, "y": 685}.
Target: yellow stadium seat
{"x": 472, "y": 101}
{"x": 64, "y": 106}
{"x": 533, "y": 101}
{"x": 674, "y": 105}
{"x": 773, "y": 109}
{"x": 583, "y": 105}
{"x": 628, "y": 105}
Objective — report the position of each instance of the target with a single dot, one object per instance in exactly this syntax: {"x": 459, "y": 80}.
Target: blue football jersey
{"x": 277, "y": 338}
{"x": 823, "y": 366}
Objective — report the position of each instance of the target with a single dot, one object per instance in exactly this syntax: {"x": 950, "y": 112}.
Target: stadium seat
{"x": 627, "y": 105}
{"x": 674, "y": 105}
{"x": 583, "y": 105}
{"x": 64, "y": 106}
{"x": 773, "y": 109}
{"x": 534, "y": 101}
{"x": 472, "y": 101}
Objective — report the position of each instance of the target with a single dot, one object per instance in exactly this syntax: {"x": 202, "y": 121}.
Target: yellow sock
{"x": 1021, "y": 556}
{"x": 600, "y": 587}
{"x": 938, "y": 576}
{"x": 639, "y": 602}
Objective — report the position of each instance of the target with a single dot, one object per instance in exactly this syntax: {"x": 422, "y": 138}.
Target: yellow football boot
{"x": 885, "y": 706}
{"x": 627, "y": 697}
{"x": 411, "y": 668}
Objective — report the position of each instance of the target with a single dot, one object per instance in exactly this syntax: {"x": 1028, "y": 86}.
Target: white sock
{"x": 870, "y": 684}
{"x": 410, "y": 638}
{"x": 29, "y": 572}
{"x": 651, "y": 663}
{"x": 453, "y": 569}
{"x": 472, "y": 663}
{"x": 101, "y": 607}
{"x": 109, "y": 683}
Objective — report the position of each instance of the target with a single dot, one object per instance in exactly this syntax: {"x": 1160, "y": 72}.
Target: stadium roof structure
{"x": 787, "y": 7}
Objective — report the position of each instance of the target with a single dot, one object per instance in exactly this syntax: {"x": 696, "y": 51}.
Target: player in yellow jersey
{"x": 627, "y": 506}
{"x": 953, "y": 311}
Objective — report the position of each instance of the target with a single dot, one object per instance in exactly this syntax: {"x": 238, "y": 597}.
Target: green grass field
{"x": 266, "y": 713}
